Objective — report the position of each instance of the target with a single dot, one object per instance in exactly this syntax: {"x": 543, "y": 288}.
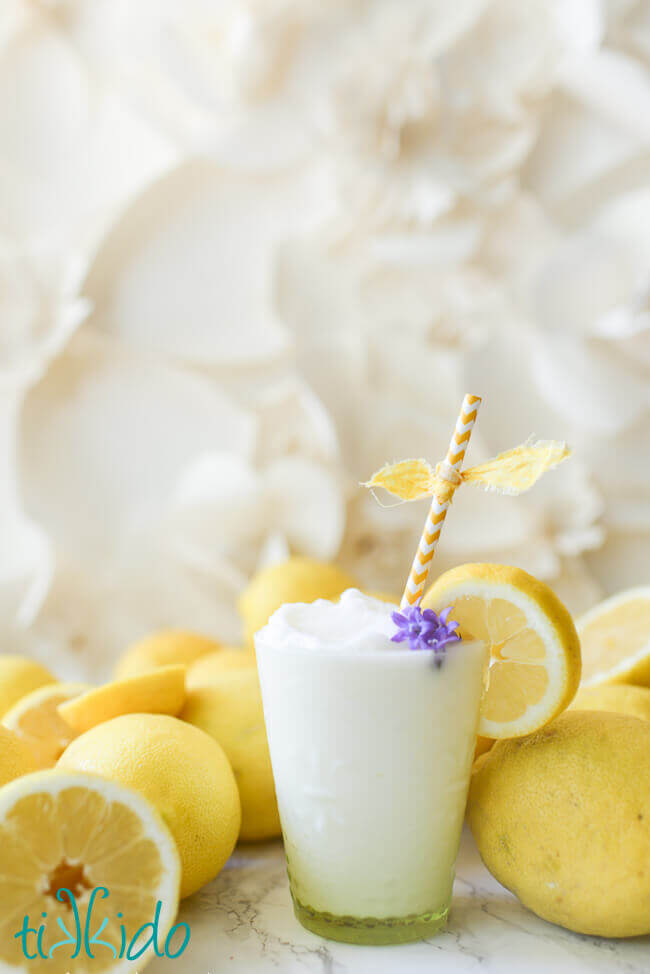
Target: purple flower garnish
{"x": 425, "y": 629}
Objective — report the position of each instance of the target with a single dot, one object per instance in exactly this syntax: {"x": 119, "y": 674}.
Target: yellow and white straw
{"x": 512, "y": 472}
{"x": 449, "y": 475}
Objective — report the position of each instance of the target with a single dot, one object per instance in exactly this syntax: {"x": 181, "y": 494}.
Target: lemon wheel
{"x": 78, "y": 832}
{"x": 615, "y": 638}
{"x": 534, "y": 669}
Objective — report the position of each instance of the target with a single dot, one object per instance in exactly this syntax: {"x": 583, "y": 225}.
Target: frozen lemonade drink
{"x": 371, "y": 745}
{"x": 372, "y": 713}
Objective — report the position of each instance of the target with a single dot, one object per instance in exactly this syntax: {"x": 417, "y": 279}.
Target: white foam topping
{"x": 357, "y": 623}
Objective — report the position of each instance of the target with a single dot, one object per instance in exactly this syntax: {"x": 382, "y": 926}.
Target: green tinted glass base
{"x": 370, "y": 930}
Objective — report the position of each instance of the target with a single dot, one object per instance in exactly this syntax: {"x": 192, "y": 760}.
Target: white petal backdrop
{"x": 250, "y": 250}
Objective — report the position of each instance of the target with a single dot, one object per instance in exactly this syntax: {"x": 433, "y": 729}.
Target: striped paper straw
{"x": 449, "y": 471}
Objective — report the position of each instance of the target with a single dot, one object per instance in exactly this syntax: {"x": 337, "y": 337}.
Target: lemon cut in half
{"x": 75, "y": 831}
{"x": 534, "y": 667}
{"x": 615, "y": 638}
{"x": 36, "y": 720}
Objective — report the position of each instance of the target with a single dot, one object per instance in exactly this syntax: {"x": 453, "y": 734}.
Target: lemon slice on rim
{"x": 70, "y": 830}
{"x": 534, "y": 668}
{"x": 615, "y": 638}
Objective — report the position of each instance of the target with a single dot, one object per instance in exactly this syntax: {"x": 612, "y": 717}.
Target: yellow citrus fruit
{"x": 210, "y": 667}
{"x": 16, "y": 759}
{"x": 163, "y": 648}
{"x": 18, "y": 677}
{"x": 77, "y": 832}
{"x": 534, "y": 667}
{"x": 617, "y": 698}
{"x": 230, "y": 710}
{"x": 182, "y": 771}
{"x": 161, "y": 691}
{"x": 615, "y": 638}
{"x": 295, "y": 580}
{"x": 562, "y": 818}
{"x": 483, "y": 744}
{"x": 35, "y": 720}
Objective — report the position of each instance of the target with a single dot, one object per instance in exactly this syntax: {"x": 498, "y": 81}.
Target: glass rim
{"x": 372, "y": 655}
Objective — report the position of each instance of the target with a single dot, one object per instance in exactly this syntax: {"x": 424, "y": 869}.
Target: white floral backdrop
{"x": 252, "y": 249}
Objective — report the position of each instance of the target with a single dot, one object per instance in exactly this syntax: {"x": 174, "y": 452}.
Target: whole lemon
{"x": 16, "y": 757}
{"x": 184, "y": 774}
{"x": 618, "y": 698}
{"x": 562, "y": 818}
{"x": 18, "y": 677}
{"x": 209, "y": 667}
{"x": 295, "y": 580}
{"x": 230, "y": 710}
{"x": 164, "y": 648}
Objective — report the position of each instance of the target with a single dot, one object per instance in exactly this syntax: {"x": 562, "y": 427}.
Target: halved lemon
{"x": 19, "y": 676}
{"x": 615, "y": 638}
{"x": 160, "y": 691}
{"x": 534, "y": 668}
{"x": 36, "y": 721}
{"x": 62, "y": 830}
{"x": 16, "y": 758}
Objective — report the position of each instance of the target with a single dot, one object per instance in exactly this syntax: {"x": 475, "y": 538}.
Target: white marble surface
{"x": 243, "y": 923}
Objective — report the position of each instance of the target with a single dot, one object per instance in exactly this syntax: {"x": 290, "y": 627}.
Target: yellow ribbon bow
{"x": 512, "y": 472}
